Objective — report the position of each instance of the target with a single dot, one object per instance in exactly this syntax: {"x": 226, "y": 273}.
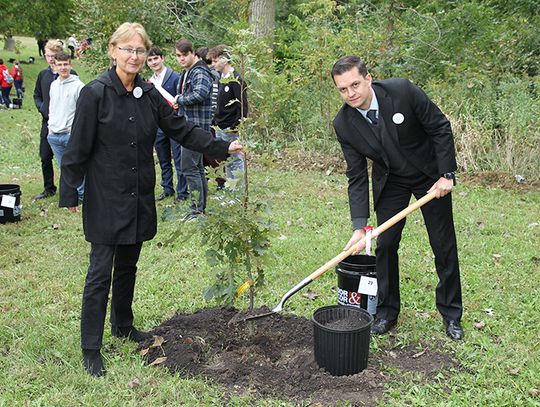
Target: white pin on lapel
{"x": 137, "y": 92}
{"x": 398, "y": 118}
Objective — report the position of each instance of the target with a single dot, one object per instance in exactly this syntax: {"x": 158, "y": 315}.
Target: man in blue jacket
{"x": 165, "y": 79}
{"x": 195, "y": 102}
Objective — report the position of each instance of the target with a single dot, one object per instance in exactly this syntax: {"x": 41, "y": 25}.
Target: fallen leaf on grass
{"x": 310, "y": 295}
{"x": 533, "y": 225}
{"x": 417, "y": 355}
{"x": 489, "y": 311}
{"x": 463, "y": 194}
{"x": 56, "y": 226}
{"x": 513, "y": 371}
{"x": 134, "y": 383}
{"x": 534, "y": 392}
{"x": 44, "y": 213}
{"x": 144, "y": 351}
{"x": 392, "y": 354}
{"x": 158, "y": 361}
{"x": 497, "y": 258}
{"x": 188, "y": 341}
{"x": 479, "y": 325}
{"x": 282, "y": 237}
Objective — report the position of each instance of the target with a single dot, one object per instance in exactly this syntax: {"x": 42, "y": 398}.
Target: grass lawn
{"x": 43, "y": 261}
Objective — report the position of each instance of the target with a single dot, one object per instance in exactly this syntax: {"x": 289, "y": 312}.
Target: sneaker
{"x": 164, "y": 195}
{"x": 192, "y": 215}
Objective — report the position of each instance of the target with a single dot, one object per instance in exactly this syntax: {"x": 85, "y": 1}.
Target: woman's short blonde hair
{"x": 125, "y": 32}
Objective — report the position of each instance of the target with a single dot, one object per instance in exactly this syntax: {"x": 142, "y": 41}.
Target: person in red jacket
{"x": 6, "y": 82}
{"x": 17, "y": 74}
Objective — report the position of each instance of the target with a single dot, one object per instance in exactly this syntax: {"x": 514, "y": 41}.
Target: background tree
{"x": 262, "y": 15}
{"x": 52, "y": 18}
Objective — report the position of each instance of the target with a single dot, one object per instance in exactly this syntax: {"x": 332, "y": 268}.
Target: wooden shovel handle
{"x": 377, "y": 231}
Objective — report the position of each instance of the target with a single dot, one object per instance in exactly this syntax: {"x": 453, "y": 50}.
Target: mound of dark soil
{"x": 273, "y": 357}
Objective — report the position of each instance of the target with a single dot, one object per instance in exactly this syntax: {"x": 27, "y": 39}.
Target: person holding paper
{"x": 166, "y": 82}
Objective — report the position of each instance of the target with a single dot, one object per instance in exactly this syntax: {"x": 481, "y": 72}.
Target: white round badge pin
{"x": 137, "y": 92}
{"x": 398, "y": 118}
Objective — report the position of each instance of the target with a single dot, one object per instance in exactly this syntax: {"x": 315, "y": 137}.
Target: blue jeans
{"x": 165, "y": 150}
{"x": 58, "y": 143}
{"x": 5, "y": 96}
{"x": 18, "y": 89}
{"x": 235, "y": 164}
{"x": 193, "y": 170}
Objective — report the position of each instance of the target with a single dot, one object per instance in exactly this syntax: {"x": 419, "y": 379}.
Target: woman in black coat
{"x": 111, "y": 148}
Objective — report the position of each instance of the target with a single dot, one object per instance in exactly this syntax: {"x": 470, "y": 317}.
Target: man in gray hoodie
{"x": 63, "y": 101}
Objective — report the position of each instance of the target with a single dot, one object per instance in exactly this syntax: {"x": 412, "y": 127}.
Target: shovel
{"x": 344, "y": 254}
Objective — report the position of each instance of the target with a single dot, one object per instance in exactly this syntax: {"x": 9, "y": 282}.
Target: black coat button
{"x": 133, "y": 195}
{"x": 131, "y": 119}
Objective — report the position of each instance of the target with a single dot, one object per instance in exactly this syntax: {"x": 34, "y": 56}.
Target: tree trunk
{"x": 9, "y": 44}
{"x": 262, "y": 14}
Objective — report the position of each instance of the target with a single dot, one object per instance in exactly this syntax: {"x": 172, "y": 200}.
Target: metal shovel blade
{"x": 333, "y": 262}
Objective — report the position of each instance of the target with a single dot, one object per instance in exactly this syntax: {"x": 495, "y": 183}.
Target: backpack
{"x": 7, "y": 77}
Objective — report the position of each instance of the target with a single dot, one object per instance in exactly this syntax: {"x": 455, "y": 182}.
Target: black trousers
{"x": 46, "y": 155}
{"x": 97, "y": 286}
{"x": 442, "y": 238}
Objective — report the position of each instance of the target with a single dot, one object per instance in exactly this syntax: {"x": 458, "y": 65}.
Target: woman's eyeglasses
{"x": 140, "y": 52}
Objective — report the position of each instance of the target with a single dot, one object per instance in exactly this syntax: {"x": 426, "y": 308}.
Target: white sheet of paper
{"x": 168, "y": 97}
{"x": 8, "y": 201}
{"x": 368, "y": 285}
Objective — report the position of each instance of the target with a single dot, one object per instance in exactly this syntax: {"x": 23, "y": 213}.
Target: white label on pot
{"x": 368, "y": 285}
{"x": 8, "y": 201}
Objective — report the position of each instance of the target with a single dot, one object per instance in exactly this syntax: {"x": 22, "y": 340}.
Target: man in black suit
{"x": 410, "y": 143}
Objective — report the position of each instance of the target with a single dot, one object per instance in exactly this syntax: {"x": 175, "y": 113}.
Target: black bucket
{"x": 349, "y": 272}
{"x": 10, "y": 211}
{"x": 341, "y": 336}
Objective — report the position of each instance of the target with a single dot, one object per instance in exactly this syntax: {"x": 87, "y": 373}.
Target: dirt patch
{"x": 273, "y": 357}
{"x": 292, "y": 160}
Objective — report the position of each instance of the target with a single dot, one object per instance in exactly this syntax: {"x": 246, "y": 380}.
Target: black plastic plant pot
{"x": 341, "y": 339}
{"x": 10, "y": 203}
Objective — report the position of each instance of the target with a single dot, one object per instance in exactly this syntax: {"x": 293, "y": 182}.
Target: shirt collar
{"x": 373, "y": 106}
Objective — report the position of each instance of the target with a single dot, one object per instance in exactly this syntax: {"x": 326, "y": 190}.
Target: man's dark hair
{"x": 155, "y": 51}
{"x": 345, "y": 64}
{"x": 62, "y": 56}
{"x": 1, "y": 61}
{"x": 202, "y": 53}
{"x": 184, "y": 46}
{"x": 218, "y": 51}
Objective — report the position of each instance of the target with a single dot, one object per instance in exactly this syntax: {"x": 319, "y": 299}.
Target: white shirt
{"x": 157, "y": 79}
{"x": 373, "y": 106}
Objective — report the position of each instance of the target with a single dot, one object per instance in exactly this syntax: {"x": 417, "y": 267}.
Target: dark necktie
{"x": 372, "y": 115}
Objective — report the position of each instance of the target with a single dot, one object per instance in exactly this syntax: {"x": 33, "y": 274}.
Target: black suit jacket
{"x": 424, "y": 138}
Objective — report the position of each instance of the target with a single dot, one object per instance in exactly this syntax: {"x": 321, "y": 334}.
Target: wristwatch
{"x": 450, "y": 175}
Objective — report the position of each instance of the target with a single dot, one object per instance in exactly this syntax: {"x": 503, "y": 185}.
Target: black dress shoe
{"x": 164, "y": 195}
{"x": 454, "y": 330}
{"x": 382, "y": 326}
{"x": 44, "y": 194}
{"x": 131, "y": 333}
{"x": 93, "y": 363}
